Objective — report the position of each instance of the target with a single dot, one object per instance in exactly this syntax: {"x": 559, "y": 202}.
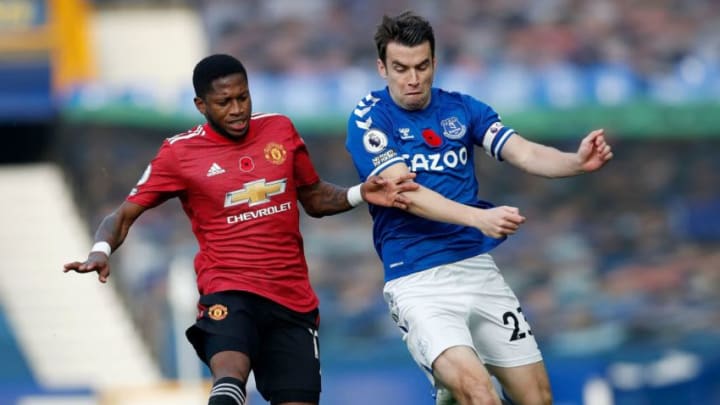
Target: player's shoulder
{"x": 456, "y": 99}
{"x": 454, "y": 96}
{"x": 374, "y": 96}
{"x": 371, "y": 103}
{"x": 275, "y": 127}
{"x": 270, "y": 117}
{"x": 272, "y": 120}
{"x": 371, "y": 109}
{"x": 190, "y": 135}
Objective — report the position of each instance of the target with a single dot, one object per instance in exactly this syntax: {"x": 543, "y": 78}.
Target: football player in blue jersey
{"x": 460, "y": 320}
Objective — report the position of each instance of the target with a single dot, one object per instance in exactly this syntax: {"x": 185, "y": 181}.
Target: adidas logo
{"x": 215, "y": 169}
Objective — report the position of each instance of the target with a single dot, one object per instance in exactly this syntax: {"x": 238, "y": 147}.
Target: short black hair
{"x": 213, "y": 67}
{"x": 408, "y": 29}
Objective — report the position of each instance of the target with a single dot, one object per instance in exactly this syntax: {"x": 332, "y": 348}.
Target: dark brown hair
{"x": 408, "y": 29}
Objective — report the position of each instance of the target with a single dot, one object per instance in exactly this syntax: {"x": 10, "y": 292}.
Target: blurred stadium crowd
{"x": 649, "y": 37}
{"x": 626, "y": 256}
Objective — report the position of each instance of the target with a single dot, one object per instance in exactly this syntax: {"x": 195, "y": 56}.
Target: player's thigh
{"x": 288, "y": 368}
{"x": 228, "y": 323}
{"x": 526, "y": 385}
{"x": 501, "y": 334}
{"x": 460, "y": 366}
{"x": 432, "y": 320}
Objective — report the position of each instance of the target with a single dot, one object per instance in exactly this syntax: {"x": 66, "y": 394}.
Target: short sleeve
{"x": 370, "y": 144}
{"x": 160, "y": 181}
{"x": 488, "y": 130}
{"x": 303, "y": 169}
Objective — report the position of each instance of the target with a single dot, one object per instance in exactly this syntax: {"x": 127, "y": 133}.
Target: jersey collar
{"x": 215, "y": 136}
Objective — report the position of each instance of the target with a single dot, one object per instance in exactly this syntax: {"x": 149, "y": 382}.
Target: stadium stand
{"x": 73, "y": 332}
{"x": 14, "y": 366}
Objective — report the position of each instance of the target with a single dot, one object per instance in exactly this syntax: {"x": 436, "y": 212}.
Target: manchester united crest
{"x": 275, "y": 153}
{"x": 217, "y": 312}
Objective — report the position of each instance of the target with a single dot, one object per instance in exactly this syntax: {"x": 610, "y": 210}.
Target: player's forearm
{"x": 540, "y": 160}
{"x": 112, "y": 230}
{"x": 429, "y": 204}
{"x": 323, "y": 199}
{"x": 549, "y": 162}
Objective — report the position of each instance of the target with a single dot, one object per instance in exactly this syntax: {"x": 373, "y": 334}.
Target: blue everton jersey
{"x": 438, "y": 144}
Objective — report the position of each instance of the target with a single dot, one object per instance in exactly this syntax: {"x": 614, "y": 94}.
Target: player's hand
{"x": 594, "y": 151}
{"x": 96, "y": 261}
{"x": 389, "y": 192}
{"x": 498, "y": 222}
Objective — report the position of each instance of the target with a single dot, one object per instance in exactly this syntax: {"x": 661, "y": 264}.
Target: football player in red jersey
{"x": 239, "y": 178}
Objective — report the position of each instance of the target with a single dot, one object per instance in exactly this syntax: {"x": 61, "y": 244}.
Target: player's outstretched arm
{"x": 323, "y": 198}
{"x": 541, "y": 160}
{"x": 109, "y": 236}
{"x": 495, "y": 222}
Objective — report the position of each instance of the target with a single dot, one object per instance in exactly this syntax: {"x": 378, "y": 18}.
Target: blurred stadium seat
{"x": 72, "y": 334}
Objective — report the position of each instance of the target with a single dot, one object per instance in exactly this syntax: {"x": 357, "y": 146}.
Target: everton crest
{"x": 453, "y": 128}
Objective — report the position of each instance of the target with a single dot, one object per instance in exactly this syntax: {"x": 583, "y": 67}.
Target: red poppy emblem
{"x": 431, "y": 138}
{"x": 246, "y": 164}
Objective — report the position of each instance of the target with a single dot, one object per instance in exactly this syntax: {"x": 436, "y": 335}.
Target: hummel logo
{"x": 405, "y": 134}
{"x": 215, "y": 169}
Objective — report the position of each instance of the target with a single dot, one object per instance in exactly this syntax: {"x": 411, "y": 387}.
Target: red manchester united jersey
{"x": 241, "y": 199}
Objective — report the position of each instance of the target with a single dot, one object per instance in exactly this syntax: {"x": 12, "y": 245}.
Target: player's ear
{"x": 381, "y": 68}
{"x": 200, "y": 105}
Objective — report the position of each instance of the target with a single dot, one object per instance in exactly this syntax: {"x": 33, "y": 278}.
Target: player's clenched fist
{"x": 498, "y": 222}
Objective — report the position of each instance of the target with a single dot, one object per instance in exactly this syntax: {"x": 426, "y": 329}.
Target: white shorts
{"x": 466, "y": 303}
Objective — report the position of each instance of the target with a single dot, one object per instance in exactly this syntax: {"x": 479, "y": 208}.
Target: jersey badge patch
{"x": 452, "y": 128}
{"x": 383, "y": 157}
{"x": 275, "y": 153}
{"x": 246, "y": 164}
{"x": 375, "y": 141}
{"x": 431, "y": 138}
{"x": 217, "y": 312}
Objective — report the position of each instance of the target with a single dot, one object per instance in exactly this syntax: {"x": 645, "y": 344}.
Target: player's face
{"x": 227, "y": 106}
{"x": 409, "y": 74}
